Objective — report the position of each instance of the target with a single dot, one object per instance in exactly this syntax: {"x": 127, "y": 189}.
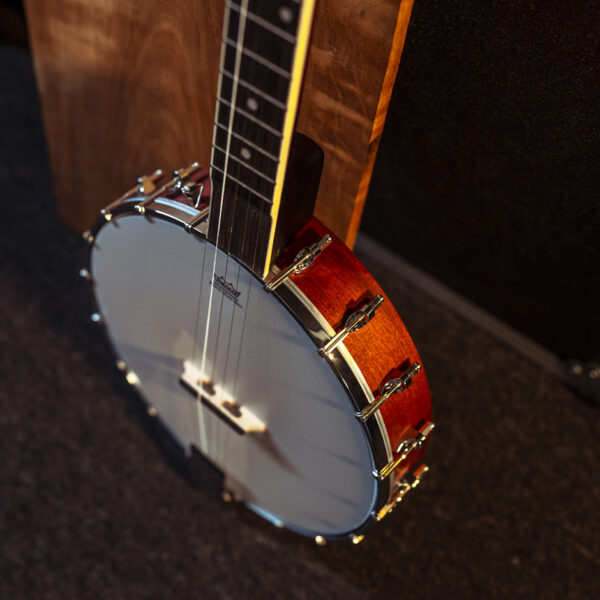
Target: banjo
{"x": 251, "y": 332}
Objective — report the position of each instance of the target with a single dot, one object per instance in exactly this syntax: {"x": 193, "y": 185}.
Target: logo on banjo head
{"x": 220, "y": 283}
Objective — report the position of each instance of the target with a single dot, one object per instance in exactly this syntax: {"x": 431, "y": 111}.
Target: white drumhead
{"x": 312, "y": 469}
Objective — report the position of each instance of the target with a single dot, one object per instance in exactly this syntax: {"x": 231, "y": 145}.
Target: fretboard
{"x": 262, "y": 59}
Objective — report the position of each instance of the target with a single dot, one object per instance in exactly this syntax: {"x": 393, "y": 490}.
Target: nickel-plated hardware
{"x": 405, "y": 447}
{"x": 354, "y": 322}
{"x": 146, "y": 184}
{"x": 389, "y": 388}
{"x": 407, "y": 483}
{"x": 178, "y": 176}
{"x": 303, "y": 260}
{"x": 197, "y": 220}
{"x": 132, "y": 378}
{"x": 192, "y": 190}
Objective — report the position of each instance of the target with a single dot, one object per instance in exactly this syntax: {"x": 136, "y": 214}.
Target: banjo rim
{"x": 305, "y": 313}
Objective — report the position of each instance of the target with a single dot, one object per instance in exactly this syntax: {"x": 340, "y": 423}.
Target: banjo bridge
{"x": 219, "y": 401}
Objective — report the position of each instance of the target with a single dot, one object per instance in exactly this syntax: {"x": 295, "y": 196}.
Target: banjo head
{"x": 171, "y": 301}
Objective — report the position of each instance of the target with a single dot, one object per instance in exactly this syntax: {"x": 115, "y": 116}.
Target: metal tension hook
{"x": 146, "y": 184}
{"x": 405, "y": 448}
{"x": 303, "y": 260}
{"x": 354, "y": 322}
{"x": 177, "y": 177}
{"x": 387, "y": 389}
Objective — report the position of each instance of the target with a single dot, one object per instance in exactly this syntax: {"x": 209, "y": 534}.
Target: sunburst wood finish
{"x": 337, "y": 284}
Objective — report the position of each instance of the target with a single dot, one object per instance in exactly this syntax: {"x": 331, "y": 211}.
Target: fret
{"x": 249, "y": 129}
{"x": 272, "y": 84}
{"x": 233, "y": 179}
{"x": 221, "y": 134}
{"x": 274, "y": 130}
{"x": 258, "y": 107}
{"x": 260, "y": 76}
{"x": 240, "y": 193}
{"x": 282, "y": 14}
{"x": 269, "y": 26}
{"x": 233, "y": 23}
{"x": 233, "y": 49}
{"x": 245, "y": 162}
{"x": 269, "y": 45}
{"x": 254, "y": 160}
{"x": 253, "y": 89}
{"x": 240, "y": 172}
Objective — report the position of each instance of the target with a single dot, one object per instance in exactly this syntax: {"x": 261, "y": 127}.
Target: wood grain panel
{"x": 127, "y": 87}
{"x": 353, "y": 61}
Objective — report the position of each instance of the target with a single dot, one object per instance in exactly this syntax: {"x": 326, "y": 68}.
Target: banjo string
{"x": 238, "y": 57}
{"x": 233, "y": 388}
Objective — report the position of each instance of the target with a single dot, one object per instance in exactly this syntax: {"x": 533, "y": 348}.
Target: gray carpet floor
{"x": 92, "y": 507}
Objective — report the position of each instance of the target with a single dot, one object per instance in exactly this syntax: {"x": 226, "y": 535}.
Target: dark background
{"x": 92, "y": 507}
{"x": 487, "y": 175}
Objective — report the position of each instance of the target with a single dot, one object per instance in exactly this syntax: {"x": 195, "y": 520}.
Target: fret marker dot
{"x": 246, "y": 154}
{"x": 252, "y": 103}
{"x": 286, "y": 14}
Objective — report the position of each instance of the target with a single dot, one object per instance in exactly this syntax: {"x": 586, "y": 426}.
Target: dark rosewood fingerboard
{"x": 257, "y": 63}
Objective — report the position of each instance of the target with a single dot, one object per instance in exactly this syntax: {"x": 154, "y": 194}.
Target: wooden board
{"x": 127, "y": 89}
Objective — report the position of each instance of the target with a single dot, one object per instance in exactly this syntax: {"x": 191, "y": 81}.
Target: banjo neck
{"x": 263, "y": 54}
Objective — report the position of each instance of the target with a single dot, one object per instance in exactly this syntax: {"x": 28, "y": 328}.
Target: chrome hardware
{"x": 197, "y": 220}
{"x": 320, "y": 540}
{"x": 132, "y": 378}
{"x": 85, "y": 274}
{"x": 354, "y": 322}
{"x": 389, "y": 388}
{"x": 405, "y": 447}
{"x": 146, "y": 184}
{"x": 152, "y": 412}
{"x": 407, "y": 483}
{"x": 178, "y": 176}
{"x": 303, "y": 260}
{"x": 96, "y": 318}
{"x": 192, "y": 190}
{"x": 88, "y": 236}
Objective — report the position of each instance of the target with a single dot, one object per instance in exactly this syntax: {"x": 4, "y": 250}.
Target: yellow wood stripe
{"x": 302, "y": 42}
